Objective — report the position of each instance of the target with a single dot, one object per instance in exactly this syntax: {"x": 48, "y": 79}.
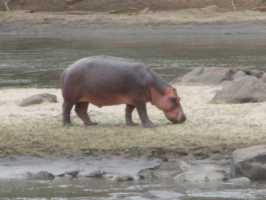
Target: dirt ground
{"x": 210, "y": 128}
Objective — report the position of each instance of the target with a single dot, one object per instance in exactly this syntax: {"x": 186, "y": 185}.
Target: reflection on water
{"x": 39, "y": 62}
{"x": 16, "y": 184}
{"x": 98, "y": 189}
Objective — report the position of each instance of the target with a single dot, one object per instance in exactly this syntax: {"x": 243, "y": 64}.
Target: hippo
{"x": 107, "y": 80}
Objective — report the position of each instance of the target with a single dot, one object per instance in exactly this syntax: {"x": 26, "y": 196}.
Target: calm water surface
{"x": 98, "y": 189}
{"x": 37, "y": 60}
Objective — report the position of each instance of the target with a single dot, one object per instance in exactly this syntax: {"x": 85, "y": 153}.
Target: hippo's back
{"x": 106, "y": 75}
{"x": 105, "y": 65}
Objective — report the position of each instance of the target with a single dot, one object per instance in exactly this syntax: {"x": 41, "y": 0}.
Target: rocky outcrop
{"x": 239, "y": 74}
{"x": 202, "y": 174}
{"x": 238, "y": 86}
{"x": 96, "y": 174}
{"x": 263, "y": 78}
{"x": 250, "y": 162}
{"x": 245, "y": 89}
{"x": 38, "y": 99}
{"x": 42, "y": 175}
{"x": 211, "y": 75}
{"x": 218, "y": 75}
{"x": 240, "y": 182}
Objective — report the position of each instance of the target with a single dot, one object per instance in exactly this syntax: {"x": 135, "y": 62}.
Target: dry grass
{"x": 37, "y": 130}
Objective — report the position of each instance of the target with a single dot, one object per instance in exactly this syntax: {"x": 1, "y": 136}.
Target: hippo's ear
{"x": 175, "y": 92}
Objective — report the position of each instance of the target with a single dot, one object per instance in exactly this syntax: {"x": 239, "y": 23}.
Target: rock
{"x": 38, "y": 99}
{"x": 147, "y": 174}
{"x": 42, "y": 175}
{"x": 202, "y": 174}
{"x": 193, "y": 75}
{"x": 254, "y": 72}
{"x": 263, "y": 78}
{"x": 241, "y": 181}
{"x": 96, "y": 174}
{"x": 184, "y": 166}
{"x": 71, "y": 174}
{"x": 166, "y": 195}
{"x": 123, "y": 178}
{"x": 239, "y": 74}
{"x": 250, "y": 162}
{"x": 245, "y": 90}
{"x": 211, "y": 75}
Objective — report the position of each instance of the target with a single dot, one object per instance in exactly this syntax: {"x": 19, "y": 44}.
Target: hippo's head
{"x": 170, "y": 104}
{"x": 172, "y": 107}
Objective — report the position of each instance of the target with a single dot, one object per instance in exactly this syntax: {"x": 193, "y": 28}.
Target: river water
{"x": 36, "y": 55}
{"x": 16, "y": 184}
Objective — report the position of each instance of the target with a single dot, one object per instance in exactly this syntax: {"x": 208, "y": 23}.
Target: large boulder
{"x": 42, "y": 175}
{"x": 202, "y": 174}
{"x": 38, "y": 99}
{"x": 254, "y": 72}
{"x": 208, "y": 75}
{"x": 240, "y": 182}
{"x": 263, "y": 78}
{"x": 242, "y": 90}
{"x": 250, "y": 162}
{"x": 239, "y": 75}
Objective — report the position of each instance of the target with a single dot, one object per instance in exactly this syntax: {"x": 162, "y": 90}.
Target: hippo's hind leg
{"x": 67, "y": 107}
{"x": 129, "y": 110}
{"x": 142, "y": 111}
{"x": 81, "y": 110}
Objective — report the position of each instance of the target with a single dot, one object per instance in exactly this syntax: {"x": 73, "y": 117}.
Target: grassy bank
{"x": 210, "y": 128}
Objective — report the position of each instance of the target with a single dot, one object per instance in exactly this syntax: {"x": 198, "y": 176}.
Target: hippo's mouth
{"x": 177, "y": 120}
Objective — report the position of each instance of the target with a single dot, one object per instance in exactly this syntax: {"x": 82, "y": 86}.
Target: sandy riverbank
{"x": 210, "y": 14}
{"x": 210, "y": 128}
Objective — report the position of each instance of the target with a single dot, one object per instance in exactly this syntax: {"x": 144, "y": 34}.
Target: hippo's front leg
{"x": 142, "y": 111}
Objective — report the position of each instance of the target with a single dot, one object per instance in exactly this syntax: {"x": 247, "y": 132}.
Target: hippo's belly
{"x": 107, "y": 101}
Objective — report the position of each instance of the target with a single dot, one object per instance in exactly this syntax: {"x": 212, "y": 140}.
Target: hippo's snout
{"x": 181, "y": 119}
{"x": 176, "y": 118}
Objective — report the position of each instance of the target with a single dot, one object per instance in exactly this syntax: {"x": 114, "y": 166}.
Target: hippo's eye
{"x": 174, "y": 100}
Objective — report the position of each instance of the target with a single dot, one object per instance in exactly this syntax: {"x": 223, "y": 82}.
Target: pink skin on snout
{"x": 175, "y": 114}
{"x": 170, "y": 104}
